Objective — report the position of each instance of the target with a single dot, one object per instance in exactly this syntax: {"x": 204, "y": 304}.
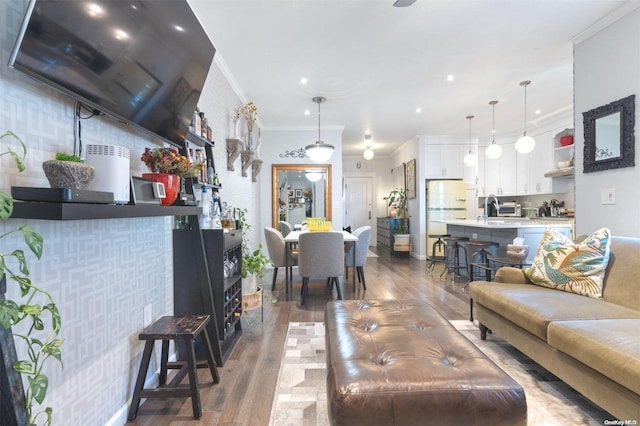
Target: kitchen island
{"x": 504, "y": 230}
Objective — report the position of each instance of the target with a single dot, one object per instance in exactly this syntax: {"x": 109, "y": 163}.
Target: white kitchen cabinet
{"x": 498, "y": 176}
{"x": 531, "y": 168}
{"x": 444, "y": 161}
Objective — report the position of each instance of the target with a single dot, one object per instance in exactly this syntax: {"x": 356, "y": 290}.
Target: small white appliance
{"x": 112, "y": 170}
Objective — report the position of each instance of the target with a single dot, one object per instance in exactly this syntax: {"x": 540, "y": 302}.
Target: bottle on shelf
{"x": 216, "y": 223}
{"x": 204, "y": 123}
{"x": 210, "y": 173}
{"x": 216, "y": 179}
{"x": 206, "y": 203}
{"x": 197, "y": 123}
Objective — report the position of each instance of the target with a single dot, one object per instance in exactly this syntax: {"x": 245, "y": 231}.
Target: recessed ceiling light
{"x": 418, "y": 110}
{"x": 450, "y": 77}
{"x": 178, "y": 28}
{"x": 303, "y": 80}
{"x": 306, "y": 112}
{"x": 538, "y": 111}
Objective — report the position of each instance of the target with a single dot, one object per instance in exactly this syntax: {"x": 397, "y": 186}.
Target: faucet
{"x": 486, "y": 206}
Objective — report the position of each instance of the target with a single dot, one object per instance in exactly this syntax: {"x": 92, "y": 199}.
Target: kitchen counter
{"x": 509, "y": 223}
{"x": 504, "y": 230}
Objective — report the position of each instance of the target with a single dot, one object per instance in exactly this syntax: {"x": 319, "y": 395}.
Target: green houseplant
{"x": 42, "y": 321}
{"x": 254, "y": 262}
{"x": 398, "y": 199}
{"x": 68, "y": 171}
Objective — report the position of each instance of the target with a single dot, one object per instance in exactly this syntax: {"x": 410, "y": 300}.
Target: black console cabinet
{"x": 201, "y": 287}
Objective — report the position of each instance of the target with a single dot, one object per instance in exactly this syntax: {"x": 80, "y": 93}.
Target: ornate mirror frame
{"x": 626, "y": 108}
{"x": 275, "y": 186}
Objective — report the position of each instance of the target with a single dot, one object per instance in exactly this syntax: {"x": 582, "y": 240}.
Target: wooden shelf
{"x": 566, "y": 172}
{"x": 78, "y": 211}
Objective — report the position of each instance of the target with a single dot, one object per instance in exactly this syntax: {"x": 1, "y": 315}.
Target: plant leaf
{"x": 33, "y": 240}
{"x": 39, "y": 385}
{"x": 23, "y": 366}
{"x": 6, "y": 205}
{"x": 9, "y": 313}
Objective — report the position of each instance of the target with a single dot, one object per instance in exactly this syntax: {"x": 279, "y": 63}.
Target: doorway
{"x": 358, "y": 204}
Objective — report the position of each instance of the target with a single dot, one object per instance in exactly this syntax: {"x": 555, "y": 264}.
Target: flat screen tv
{"x": 143, "y": 62}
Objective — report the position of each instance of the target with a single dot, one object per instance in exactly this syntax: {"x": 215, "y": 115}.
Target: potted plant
{"x": 400, "y": 226}
{"x": 41, "y": 321}
{"x": 167, "y": 165}
{"x": 254, "y": 264}
{"x": 68, "y": 171}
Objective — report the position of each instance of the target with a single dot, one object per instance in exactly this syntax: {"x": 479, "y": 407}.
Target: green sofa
{"x": 592, "y": 345}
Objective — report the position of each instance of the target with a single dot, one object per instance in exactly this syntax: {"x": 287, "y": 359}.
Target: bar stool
{"x": 186, "y": 329}
{"x": 480, "y": 257}
{"x": 439, "y": 246}
{"x": 452, "y": 262}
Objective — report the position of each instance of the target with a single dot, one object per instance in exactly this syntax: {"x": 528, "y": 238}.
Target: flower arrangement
{"x": 250, "y": 112}
{"x": 167, "y": 160}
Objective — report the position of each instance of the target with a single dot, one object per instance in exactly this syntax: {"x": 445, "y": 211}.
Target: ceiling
{"x": 376, "y": 64}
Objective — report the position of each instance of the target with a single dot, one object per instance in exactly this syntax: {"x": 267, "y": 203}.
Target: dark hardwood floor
{"x": 248, "y": 379}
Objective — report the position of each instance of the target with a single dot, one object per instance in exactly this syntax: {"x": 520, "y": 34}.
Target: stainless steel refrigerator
{"x": 446, "y": 200}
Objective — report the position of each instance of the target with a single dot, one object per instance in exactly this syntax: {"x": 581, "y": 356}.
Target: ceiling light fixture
{"x": 493, "y": 151}
{"x": 319, "y": 151}
{"x": 314, "y": 176}
{"x": 368, "y": 152}
{"x": 470, "y": 159}
{"x": 525, "y": 144}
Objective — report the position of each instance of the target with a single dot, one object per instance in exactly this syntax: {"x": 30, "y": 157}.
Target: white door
{"x": 358, "y": 208}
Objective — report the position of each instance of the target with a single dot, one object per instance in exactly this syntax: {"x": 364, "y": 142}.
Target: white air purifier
{"x": 112, "y": 170}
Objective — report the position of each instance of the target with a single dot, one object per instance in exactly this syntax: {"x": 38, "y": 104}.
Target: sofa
{"x": 591, "y": 344}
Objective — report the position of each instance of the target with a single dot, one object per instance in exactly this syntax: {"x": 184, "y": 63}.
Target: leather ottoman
{"x": 399, "y": 362}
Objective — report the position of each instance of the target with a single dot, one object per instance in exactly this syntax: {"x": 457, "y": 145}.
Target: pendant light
{"x": 493, "y": 151}
{"x": 319, "y": 151}
{"x": 368, "y": 153}
{"x": 525, "y": 144}
{"x": 470, "y": 159}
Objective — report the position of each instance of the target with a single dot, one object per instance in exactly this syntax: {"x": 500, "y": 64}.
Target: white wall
{"x": 101, "y": 272}
{"x": 606, "y": 69}
{"x": 276, "y": 144}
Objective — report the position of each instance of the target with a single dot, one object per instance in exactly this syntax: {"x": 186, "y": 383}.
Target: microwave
{"x": 507, "y": 209}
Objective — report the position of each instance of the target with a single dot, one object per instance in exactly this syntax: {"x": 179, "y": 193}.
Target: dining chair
{"x": 277, "y": 253}
{"x": 361, "y": 247}
{"x": 285, "y": 228}
{"x": 320, "y": 254}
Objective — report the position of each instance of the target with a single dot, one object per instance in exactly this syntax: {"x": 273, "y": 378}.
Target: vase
{"x": 171, "y": 186}
{"x": 249, "y": 145}
{"x": 68, "y": 174}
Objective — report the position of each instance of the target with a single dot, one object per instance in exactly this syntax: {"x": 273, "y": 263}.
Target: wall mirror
{"x": 300, "y": 191}
{"x": 609, "y": 141}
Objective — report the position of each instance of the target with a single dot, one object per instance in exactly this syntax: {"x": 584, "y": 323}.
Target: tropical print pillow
{"x": 576, "y": 268}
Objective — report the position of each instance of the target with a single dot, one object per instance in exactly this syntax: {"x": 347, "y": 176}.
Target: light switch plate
{"x": 608, "y": 196}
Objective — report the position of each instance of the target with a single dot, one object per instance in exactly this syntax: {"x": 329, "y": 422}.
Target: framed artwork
{"x": 298, "y": 193}
{"x": 410, "y": 178}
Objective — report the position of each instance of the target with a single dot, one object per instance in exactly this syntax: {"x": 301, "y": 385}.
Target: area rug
{"x": 301, "y": 397}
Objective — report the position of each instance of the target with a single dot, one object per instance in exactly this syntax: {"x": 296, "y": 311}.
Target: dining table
{"x": 293, "y": 238}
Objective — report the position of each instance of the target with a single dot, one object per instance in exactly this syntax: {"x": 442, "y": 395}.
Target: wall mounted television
{"x": 143, "y": 62}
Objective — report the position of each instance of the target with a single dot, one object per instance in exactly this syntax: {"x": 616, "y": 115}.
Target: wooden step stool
{"x": 184, "y": 328}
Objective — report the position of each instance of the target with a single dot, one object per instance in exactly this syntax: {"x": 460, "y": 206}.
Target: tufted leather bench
{"x": 394, "y": 362}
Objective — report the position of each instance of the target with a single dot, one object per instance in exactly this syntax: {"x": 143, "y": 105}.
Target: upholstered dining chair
{"x": 285, "y": 228}
{"x": 361, "y": 247}
{"x": 320, "y": 254}
{"x": 277, "y": 253}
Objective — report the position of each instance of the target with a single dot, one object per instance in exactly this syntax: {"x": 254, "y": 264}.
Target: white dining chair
{"x": 361, "y": 247}
{"x": 277, "y": 253}
{"x": 285, "y": 228}
{"x": 320, "y": 254}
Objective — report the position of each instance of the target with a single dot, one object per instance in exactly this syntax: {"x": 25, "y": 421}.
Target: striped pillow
{"x": 576, "y": 268}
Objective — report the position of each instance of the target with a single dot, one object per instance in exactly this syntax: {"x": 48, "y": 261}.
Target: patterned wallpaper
{"x": 104, "y": 272}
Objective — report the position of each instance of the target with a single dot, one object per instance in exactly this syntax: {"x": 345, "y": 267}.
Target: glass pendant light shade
{"x": 368, "y": 154}
{"x": 493, "y": 151}
{"x": 525, "y": 144}
{"x": 470, "y": 159}
{"x": 319, "y": 152}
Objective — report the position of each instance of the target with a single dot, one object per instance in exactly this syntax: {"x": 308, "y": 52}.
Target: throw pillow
{"x": 577, "y": 268}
